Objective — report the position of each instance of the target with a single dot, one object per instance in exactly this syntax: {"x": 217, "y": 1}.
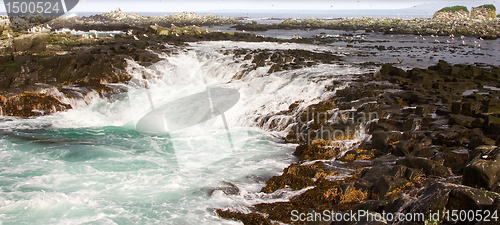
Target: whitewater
{"x": 89, "y": 165}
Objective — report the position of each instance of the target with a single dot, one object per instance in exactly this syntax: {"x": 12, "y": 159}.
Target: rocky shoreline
{"x": 395, "y": 141}
{"x": 433, "y": 148}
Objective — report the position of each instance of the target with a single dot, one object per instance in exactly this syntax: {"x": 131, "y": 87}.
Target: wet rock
{"x": 247, "y": 219}
{"x": 386, "y": 184}
{"x": 371, "y": 205}
{"x": 492, "y": 125}
{"x": 381, "y": 139}
{"x": 426, "y": 153}
{"x": 390, "y": 70}
{"x": 359, "y": 154}
{"x": 482, "y": 151}
{"x": 397, "y": 204}
{"x": 403, "y": 148}
{"x": 445, "y": 196}
{"x": 297, "y": 177}
{"x": 461, "y": 120}
{"x": 456, "y": 160}
{"x": 374, "y": 173}
{"x": 228, "y": 189}
{"x": 453, "y": 136}
{"x": 429, "y": 167}
{"x": 320, "y": 149}
{"x": 32, "y": 104}
{"x": 482, "y": 173}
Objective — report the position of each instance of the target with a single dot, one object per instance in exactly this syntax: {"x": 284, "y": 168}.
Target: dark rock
{"x": 456, "y": 107}
{"x": 228, "y": 189}
{"x": 445, "y": 196}
{"x": 397, "y": 204}
{"x": 374, "y": 173}
{"x": 482, "y": 173}
{"x": 429, "y": 167}
{"x": 357, "y": 154}
{"x": 424, "y": 110}
{"x": 456, "y": 160}
{"x": 380, "y": 139}
{"x": 370, "y": 205}
{"x": 386, "y": 184}
{"x": 482, "y": 151}
{"x": 32, "y": 104}
{"x": 426, "y": 153}
{"x": 492, "y": 125}
{"x": 453, "y": 136}
{"x": 461, "y": 120}
{"x": 389, "y": 70}
{"x": 403, "y": 148}
{"x": 319, "y": 149}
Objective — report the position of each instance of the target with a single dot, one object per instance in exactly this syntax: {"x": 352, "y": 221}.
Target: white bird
{"x": 480, "y": 38}
{"x": 135, "y": 38}
{"x": 145, "y": 35}
{"x": 437, "y": 41}
{"x": 479, "y": 45}
{"x": 448, "y": 41}
{"x": 8, "y": 35}
{"x": 463, "y": 43}
{"x": 462, "y": 37}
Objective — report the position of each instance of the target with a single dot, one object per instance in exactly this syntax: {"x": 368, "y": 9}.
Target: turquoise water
{"x": 111, "y": 175}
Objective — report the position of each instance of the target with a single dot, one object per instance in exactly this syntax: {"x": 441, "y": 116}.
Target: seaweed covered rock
{"x": 297, "y": 177}
{"x": 320, "y": 149}
{"x": 451, "y": 13}
{"x": 159, "y": 30}
{"x": 484, "y": 12}
{"x": 189, "y": 30}
{"x": 32, "y": 104}
{"x": 247, "y": 219}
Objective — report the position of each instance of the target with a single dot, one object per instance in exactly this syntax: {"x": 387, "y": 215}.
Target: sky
{"x": 271, "y": 5}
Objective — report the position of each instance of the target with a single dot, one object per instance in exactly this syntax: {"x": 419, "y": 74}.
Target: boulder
{"x": 428, "y": 166}
{"x": 159, "y": 30}
{"x": 441, "y": 196}
{"x": 386, "y": 184}
{"x": 461, "y": 120}
{"x": 380, "y": 139}
{"x": 35, "y": 43}
{"x": 482, "y": 173}
{"x": 32, "y": 104}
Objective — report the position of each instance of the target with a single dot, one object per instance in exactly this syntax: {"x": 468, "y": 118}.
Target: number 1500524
{"x": 26, "y": 7}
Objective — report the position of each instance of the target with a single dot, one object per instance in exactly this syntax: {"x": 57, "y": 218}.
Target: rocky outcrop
{"x": 35, "y": 43}
{"x": 442, "y": 144}
{"x": 452, "y": 13}
{"x": 31, "y": 104}
{"x": 484, "y": 12}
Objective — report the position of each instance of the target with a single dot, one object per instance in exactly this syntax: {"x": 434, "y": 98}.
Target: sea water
{"x": 88, "y": 166}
